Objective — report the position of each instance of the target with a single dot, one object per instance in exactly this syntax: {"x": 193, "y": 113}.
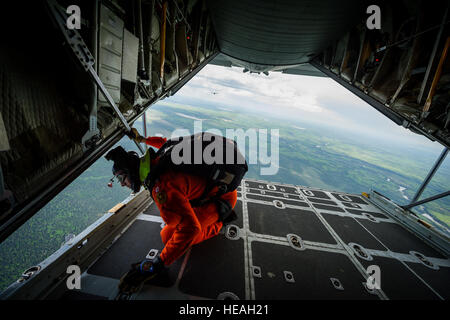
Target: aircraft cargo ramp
{"x": 289, "y": 242}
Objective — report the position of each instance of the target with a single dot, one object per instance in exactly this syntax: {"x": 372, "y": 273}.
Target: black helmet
{"x": 127, "y": 162}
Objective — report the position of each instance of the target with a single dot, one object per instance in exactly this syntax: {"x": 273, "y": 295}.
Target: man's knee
{"x": 231, "y": 198}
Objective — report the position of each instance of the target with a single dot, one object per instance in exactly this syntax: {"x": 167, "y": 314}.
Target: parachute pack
{"x": 204, "y": 154}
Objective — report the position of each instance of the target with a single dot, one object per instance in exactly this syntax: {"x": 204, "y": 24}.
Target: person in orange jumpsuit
{"x": 185, "y": 225}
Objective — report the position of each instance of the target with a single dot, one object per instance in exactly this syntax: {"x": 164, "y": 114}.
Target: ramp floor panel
{"x": 439, "y": 279}
{"x": 152, "y": 210}
{"x": 397, "y": 239}
{"x": 350, "y": 231}
{"x": 238, "y": 209}
{"x": 398, "y": 282}
{"x": 214, "y": 267}
{"x": 133, "y": 246}
{"x": 265, "y": 219}
{"x": 312, "y": 273}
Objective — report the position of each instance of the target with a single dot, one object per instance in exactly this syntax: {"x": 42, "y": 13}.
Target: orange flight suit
{"x": 185, "y": 225}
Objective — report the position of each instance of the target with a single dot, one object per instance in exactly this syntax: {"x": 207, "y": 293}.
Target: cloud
{"x": 232, "y": 84}
{"x": 310, "y": 99}
{"x": 299, "y": 93}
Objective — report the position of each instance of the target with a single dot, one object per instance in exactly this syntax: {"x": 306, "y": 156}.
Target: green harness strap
{"x": 144, "y": 166}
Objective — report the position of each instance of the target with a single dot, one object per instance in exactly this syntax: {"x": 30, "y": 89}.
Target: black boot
{"x": 223, "y": 209}
{"x": 230, "y": 218}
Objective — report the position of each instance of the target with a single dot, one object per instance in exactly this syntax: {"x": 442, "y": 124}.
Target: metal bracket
{"x": 360, "y": 251}
{"x": 92, "y": 135}
{"x": 232, "y": 232}
{"x": 289, "y": 276}
{"x": 152, "y": 254}
{"x": 256, "y": 271}
{"x": 370, "y": 217}
{"x": 336, "y": 284}
{"x": 279, "y": 204}
{"x": 27, "y": 274}
{"x": 427, "y": 263}
{"x": 295, "y": 242}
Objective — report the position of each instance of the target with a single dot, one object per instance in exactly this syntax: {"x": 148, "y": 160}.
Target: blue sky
{"x": 318, "y": 100}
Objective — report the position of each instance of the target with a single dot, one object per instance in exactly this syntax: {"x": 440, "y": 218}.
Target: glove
{"x": 140, "y": 273}
{"x": 134, "y": 135}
